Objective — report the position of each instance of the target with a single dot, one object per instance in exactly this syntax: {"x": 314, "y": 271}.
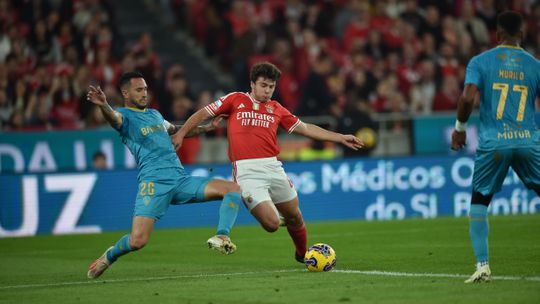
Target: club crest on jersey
{"x": 269, "y": 109}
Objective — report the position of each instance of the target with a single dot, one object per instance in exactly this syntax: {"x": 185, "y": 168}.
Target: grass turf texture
{"x": 176, "y": 266}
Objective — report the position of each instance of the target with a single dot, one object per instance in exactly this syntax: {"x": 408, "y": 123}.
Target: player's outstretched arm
{"x": 318, "y": 133}
{"x": 96, "y": 96}
{"x": 192, "y": 123}
{"x": 211, "y": 126}
{"x": 464, "y": 110}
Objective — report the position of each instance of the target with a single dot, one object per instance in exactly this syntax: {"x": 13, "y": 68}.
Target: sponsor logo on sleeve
{"x": 215, "y": 105}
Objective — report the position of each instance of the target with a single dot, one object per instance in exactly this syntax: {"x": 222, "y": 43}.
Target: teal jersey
{"x": 144, "y": 132}
{"x": 509, "y": 82}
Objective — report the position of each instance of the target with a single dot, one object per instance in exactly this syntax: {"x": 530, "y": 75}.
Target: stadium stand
{"x": 337, "y": 57}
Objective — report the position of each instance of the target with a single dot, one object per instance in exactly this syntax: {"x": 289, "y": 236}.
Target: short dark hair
{"x": 98, "y": 154}
{"x": 265, "y": 70}
{"x": 126, "y": 78}
{"x": 510, "y": 21}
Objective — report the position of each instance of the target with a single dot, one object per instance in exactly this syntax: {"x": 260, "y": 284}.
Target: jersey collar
{"x": 509, "y": 46}
{"x": 137, "y": 110}
{"x": 252, "y": 99}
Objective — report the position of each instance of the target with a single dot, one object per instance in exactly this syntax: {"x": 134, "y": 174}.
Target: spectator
{"x": 412, "y": 15}
{"x": 288, "y": 86}
{"x": 146, "y": 60}
{"x": 358, "y": 29}
{"x": 469, "y": 23}
{"x": 177, "y": 89}
{"x": 37, "y": 114}
{"x": 486, "y": 10}
{"x": 16, "y": 121}
{"x": 6, "y": 108}
{"x": 375, "y": 48}
{"x": 45, "y": 46}
{"x": 368, "y": 43}
{"x": 423, "y": 91}
{"x": 99, "y": 161}
{"x": 316, "y": 98}
{"x": 106, "y": 70}
{"x": 65, "y": 104}
{"x": 356, "y": 119}
{"x": 432, "y": 25}
{"x": 447, "y": 96}
{"x": 447, "y": 61}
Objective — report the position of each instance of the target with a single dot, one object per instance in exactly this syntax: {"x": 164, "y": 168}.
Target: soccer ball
{"x": 320, "y": 257}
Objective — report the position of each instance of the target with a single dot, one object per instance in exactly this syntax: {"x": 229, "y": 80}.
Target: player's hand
{"x": 177, "y": 140}
{"x": 96, "y": 95}
{"x": 216, "y": 121}
{"x": 458, "y": 140}
{"x": 352, "y": 141}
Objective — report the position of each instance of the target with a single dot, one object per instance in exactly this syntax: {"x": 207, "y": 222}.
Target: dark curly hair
{"x": 265, "y": 70}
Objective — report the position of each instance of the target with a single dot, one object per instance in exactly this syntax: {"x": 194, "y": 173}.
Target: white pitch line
{"x": 361, "y": 272}
{"x": 93, "y": 282}
{"x": 430, "y": 275}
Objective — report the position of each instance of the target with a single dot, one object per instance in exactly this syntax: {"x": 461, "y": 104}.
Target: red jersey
{"x": 252, "y": 125}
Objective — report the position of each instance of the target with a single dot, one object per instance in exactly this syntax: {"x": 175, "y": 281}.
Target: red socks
{"x": 299, "y": 237}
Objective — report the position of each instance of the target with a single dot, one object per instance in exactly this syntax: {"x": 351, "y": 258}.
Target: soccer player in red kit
{"x": 251, "y": 127}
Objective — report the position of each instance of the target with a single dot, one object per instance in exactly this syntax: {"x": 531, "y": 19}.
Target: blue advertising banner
{"x": 362, "y": 189}
{"x": 31, "y": 152}
{"x": 432, "y": 134}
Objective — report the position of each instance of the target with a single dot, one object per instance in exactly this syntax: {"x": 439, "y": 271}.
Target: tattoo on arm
{"x": 194, "y": 132}
{"x": 173, "y": 129}
{"x": 112, "y": 116}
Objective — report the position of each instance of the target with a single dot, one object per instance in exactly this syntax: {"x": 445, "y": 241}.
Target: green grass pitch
{"x": 411, "y": 261}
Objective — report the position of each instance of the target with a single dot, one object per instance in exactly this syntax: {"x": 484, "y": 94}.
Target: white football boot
{"x": 221, "y": 243}
{"x": 99, "y": 266}
{"x": 482, "y": 274}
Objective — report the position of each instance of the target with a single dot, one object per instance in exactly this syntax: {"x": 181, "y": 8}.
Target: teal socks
{"x": 228, "y": 212}
{"x": 479, "y": 230}
{"x": 120, "y": 248}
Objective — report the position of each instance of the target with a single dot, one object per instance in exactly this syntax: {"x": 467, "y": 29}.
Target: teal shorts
{"x": 174, "y": 187}
{"x": 491, "y": 168}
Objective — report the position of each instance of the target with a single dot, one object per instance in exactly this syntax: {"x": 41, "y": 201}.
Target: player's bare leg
{"x": 267, "y": 215}
{"x": 140, "y": 234}
{"x": 295, "y": 226}
{"x": 141, "y": 229}
{"x": 229, "y": 193}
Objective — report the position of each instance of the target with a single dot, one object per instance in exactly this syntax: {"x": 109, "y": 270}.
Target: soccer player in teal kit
{"x": 162, "y": 179}
{"x": 507, "y": 81}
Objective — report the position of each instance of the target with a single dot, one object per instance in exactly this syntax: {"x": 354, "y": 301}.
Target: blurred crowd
{"x": 50, "y": 51}
{"x": 347, "y": 59}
